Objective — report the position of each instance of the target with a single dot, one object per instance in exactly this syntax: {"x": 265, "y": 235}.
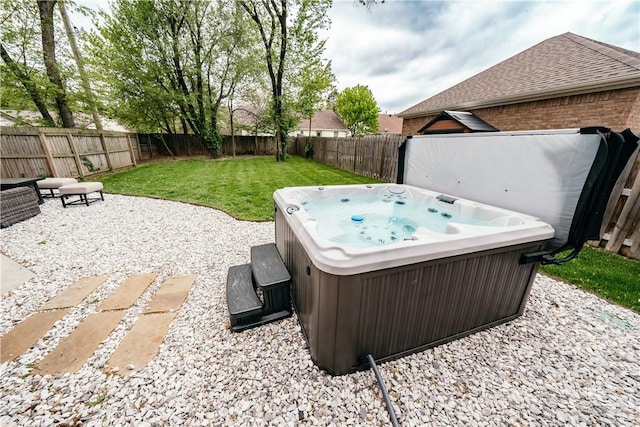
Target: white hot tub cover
{"x": 546, "y": 173}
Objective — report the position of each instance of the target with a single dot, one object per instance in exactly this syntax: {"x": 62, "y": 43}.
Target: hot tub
{"x": 391, "y": 269}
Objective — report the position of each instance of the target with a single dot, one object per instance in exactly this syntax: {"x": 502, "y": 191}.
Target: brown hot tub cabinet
{"x": 541, "y": 192}
{"x": 397, "y": 311}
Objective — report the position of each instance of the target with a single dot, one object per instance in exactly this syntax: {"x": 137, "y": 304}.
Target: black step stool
{"x": 266, "y": 274}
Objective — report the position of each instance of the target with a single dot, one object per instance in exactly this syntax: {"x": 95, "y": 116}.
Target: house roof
{"x": 246, "y": 115}
{"x": 465, "y": 118}
{"x": 389, "y": 123}
{"x": 323, "y": 120}
{"x": 564, "y": 65}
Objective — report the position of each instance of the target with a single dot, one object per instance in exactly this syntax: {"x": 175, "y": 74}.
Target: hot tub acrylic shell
{"x": 408, "y": 296}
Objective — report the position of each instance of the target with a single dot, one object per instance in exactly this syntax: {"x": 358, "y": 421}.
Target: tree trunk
{"x": 282, "y": 17}
{"x": 78, "y": 57}
{"x": 167, "y": 147}
{"x": 278, "y": 128}
{"x": 277, "y": 18}
{"x": 45, "y": 8}
{"x": 233, "y": 131}
{"x": 28, "y": 84}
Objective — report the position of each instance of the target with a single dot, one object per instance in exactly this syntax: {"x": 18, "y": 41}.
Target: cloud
{"x": 406, "y": 52}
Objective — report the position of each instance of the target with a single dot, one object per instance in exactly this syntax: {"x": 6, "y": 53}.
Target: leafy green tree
{"x": 168, "y": 62}
{"x": 289, "y": 32}
{"x": 36, "y": 68}
{"x": 315, "y": 81}
{"x": 20, "y": 75}
{"x": 46, "y": 9}
{"x": 358, "y": 109}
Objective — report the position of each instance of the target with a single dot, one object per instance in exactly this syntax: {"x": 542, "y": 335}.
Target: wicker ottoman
{"x": 53, "y": 184}
{"x": 82, "y": 189}
{"x": 17, "y": 204}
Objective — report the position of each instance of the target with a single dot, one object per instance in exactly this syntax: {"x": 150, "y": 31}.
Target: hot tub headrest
{"x": 564, "y": 177}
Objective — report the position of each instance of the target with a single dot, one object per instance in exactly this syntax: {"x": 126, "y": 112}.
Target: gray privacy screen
{"x": 539, "y": 173}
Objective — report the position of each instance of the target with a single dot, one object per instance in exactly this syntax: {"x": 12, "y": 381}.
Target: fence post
{"x": 74, "y": 150}
{"x": 355, "y": 154}
{"x": 150, "y": 150}
{"x": 47, "y": 152}
{"x": 131, "y": 153}
{"x": 625, "y": 219}
{"x": 106, "y": 151}
{"x": 381, "y": 171}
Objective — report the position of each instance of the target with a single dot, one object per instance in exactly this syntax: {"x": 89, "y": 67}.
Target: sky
{"x": 408, "y": 51}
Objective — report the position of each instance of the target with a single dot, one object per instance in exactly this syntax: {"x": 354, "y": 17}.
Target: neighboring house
{"x": 324, "y": 123}
{"x": 389, "y": 124}
{"x": 456, "y": 122}
{"x": 246, "y": 121}
{"x": 567, "y": 81}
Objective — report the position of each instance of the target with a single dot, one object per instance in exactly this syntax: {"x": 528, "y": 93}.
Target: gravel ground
{"x": 571, "y": 359}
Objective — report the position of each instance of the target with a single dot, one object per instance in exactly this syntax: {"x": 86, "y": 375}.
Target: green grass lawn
{"x": 243, "y": 187}
{"x": 608, "y": 275}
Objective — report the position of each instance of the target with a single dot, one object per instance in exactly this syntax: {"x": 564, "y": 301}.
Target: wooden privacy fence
{"x": 35, "y": 151}
{"x": 372, "y": 156}
{"x": 194, "y": 145}
{"x": 621, "y": 226}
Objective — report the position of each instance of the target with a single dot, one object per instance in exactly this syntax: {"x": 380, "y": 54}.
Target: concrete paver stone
{"x": 12, "y": 274}
{"x": 128, "y": 292}
{"x": 137, "y": 348}
{"x": 75, "y": 293}
{"x": 72, "y": 352}
{"x": 172, "y": 294}
{"x": 26, "y": 333}
{"x": 141, "y": 343}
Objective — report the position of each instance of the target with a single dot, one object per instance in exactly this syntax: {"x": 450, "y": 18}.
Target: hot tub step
{"x": 273, "y": 278}
{"x": 259, "y": 321}
{"x": 268, "y": 268}
{"x": 242, "y": 301}
{"x": 268, "y": 272}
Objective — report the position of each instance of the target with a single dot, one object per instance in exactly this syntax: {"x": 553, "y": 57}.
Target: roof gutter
{"x": 630, "y": 81}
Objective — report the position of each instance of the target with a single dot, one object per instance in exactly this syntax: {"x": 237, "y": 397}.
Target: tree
{"x": 46, "y": 7}
{"x": 286, "y": 28}
{"x": 169, "y": 61}
{"x": 32, "y": 89}
{"x": 315, "y": 81}
{"x": 358, "y": 110}
{"x": 79, "y": 63}
{"x": 38, "y": 68}
{"x": 271, "y": 20}
{"x": 25, "y": 81}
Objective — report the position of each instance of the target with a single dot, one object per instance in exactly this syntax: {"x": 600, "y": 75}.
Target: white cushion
{"x": 81, "y": 188}
{"x": 55, "y": 182}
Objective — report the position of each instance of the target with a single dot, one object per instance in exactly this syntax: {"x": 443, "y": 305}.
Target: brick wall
{"x": 616, "y": 109}
{"x": 411, "y": 126}
{"x": 633, "y": 121}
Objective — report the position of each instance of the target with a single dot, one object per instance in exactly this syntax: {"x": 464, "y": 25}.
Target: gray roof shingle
{"x": 465, "y": 118}
{"x": 562, "y": 65}
{"x": 323, "y": 120}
